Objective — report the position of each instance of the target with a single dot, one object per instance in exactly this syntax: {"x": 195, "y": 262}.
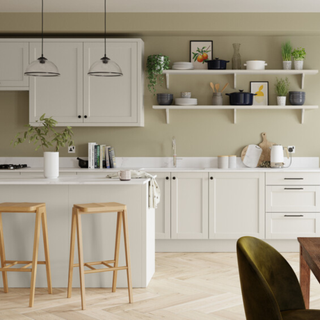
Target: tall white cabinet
{"x": 236, "y": 205}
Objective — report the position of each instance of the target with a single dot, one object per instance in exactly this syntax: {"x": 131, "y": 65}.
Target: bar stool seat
{"x": 91, "y": 208}
{"x": 6, "y": 265}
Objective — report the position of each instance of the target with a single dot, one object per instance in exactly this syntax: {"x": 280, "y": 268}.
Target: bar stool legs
{"x": 3, "y": 258}
{"x": 116, "y": 251}
{"x": 126, "y": 245}
{"x": 71, "y": 258}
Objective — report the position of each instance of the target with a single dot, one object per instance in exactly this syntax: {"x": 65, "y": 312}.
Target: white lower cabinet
{"x": 189, "y": 205}
{"x": 236, "y": 205}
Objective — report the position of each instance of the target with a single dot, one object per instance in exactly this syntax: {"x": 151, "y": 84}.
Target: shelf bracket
{"x": 234, "y": 81}
{"x": 302, "y": 115}
{"x": 234, "y": 116}
{"x": 302, "y": 80}
{"x": 167, "y": 80}
{"x": 167, "y": 116}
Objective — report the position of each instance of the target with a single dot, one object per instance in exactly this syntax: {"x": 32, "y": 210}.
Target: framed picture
{"x": 261, "y": 88}
{"x": 200, "y": 51}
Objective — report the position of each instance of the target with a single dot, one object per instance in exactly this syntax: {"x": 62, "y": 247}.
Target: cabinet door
{"x": 236, "y": 205}
{"x": 163, "y": 210}
{"x": 13, "y": 62}
{"x": 189, "y": 205}
{"x": 114, "y": 101}
{"x": 59, "y": 97}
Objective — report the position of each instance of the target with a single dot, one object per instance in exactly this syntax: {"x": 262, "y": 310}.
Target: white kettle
{"x": 276, "y": 156}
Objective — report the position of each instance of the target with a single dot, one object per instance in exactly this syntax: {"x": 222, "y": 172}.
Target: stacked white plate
{"x": 182, "y": 66}
{"x": 186, "y": 101}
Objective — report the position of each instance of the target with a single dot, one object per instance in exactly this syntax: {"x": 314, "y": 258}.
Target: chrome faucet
{"x": 174, "y": 147}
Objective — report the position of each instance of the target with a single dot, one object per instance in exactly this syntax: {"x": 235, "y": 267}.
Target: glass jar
{"x": 236, "y": 59}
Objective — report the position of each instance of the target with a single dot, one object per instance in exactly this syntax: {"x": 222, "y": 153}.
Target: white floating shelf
{"x": 235, "y": 108}
{"x": 303, "y": 73}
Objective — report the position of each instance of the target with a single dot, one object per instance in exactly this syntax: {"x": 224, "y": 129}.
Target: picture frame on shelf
{"x": 261, "y": 88}
{"x": 200, "y": 51}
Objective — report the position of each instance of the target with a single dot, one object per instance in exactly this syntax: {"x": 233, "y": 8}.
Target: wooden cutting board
{"x": 250, "y": 155}
{"x": 265, "y": 146}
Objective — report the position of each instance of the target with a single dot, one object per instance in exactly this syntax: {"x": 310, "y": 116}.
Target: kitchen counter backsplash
{"x": 155, "y": 162}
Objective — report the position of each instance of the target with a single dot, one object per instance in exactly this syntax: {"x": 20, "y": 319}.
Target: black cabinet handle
{"x": 211, "y": 178}
{"x": 293, "y": 215}
{"x": 85, "y": 117}
{"x": 293, "y": 178}
{"x": 174, "y": 178}
{"x": 293, "y": 188}
{"x": 167, "y": 178}
{"x": 79, "y": 117}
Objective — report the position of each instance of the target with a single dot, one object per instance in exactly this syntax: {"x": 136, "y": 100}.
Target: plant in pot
{"x": 286, "y": 55}
{"x": 46, "y": 136}
{"x": 282, "y": 88}
{"x": 298, "y": 57}
{"x": 156, "y": 63}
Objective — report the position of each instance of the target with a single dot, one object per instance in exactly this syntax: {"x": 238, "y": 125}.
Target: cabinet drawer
{"x": 292, "y": 199}
{"x": 292, "y": 178}
{"x": 291, "y": 225}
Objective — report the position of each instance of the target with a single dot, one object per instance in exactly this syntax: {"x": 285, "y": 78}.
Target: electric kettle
{"x": 276, "y": 156}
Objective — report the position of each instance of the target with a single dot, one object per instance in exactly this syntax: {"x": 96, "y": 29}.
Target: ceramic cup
{"x": 185, "y": 94}
{"x": 232, "y": 162}
{"x": 223, "y": 162}
{"x": 125, "y": 175}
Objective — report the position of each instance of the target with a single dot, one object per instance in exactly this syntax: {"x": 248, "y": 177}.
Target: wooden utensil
{"x": 265, "y": 146}
{"x": 217, "y": 86}
{"x": 212, "y": 86}
{"x": 224, "y": 86}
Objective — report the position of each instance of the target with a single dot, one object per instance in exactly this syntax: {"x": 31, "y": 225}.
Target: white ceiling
{"x": 161, "y": 5}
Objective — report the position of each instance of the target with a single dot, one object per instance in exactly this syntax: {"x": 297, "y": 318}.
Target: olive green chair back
{"x": 268, "y": 283}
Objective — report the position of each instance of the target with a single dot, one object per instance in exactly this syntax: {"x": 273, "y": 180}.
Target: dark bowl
{"x": 164, "y": 98}
{"x": 297, "y": 98}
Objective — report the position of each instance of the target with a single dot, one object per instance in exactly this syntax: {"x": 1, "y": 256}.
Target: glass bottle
{"x": 236, "y": 59}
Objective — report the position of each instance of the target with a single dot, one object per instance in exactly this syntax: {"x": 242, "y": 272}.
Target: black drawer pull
{"x": 293, "y": 215}
{"x": 293, "y": 188}
{"x": 174, "y": 178}
{"x": 293, "y": 178}
{"x": 167, "y": 178}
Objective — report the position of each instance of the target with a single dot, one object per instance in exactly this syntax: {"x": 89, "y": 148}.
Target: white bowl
{"x": 186, "y": 101}
{"x": 180, "y": 67}
{"x": 255, "y": 65}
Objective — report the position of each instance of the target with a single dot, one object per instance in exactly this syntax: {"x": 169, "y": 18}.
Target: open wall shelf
{"x": 303, "y": 73}
{"x": 235, "y": 108}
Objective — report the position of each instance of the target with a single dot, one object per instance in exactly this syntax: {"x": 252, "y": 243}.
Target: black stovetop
{"x": 12, "y": 166}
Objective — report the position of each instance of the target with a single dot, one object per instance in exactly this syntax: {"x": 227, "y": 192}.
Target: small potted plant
{"x": 286, "y": 55}
{"x": 282, "y": 88}
{"x": 46, "y": 136}
{"x": 298, "y": 56}
{"x": 156, "y": 63}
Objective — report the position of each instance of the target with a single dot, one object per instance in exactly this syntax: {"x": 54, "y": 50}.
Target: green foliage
{"x": 282, "y": 87}
{"x": 298, "y": 54}
{"x": 286, "y": 51}
{"x": 155, "y": 65}
{"x": 45, "y": 136}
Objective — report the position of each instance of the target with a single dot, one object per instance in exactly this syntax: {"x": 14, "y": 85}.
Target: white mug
{"x": 125, "y": 175}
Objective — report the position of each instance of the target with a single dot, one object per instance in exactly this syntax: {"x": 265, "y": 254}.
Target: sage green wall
{"x": 198, "y": 132}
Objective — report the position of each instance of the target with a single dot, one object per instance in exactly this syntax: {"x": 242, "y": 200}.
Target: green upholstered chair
{"x": 270, "y": 288}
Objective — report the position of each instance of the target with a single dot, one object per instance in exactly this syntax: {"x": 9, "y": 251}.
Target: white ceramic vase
{"x": 51, "y": 164}
{"x": 281, "y": 100}
{"x": 287, "y": 65}
{"x": 298, "y": 64}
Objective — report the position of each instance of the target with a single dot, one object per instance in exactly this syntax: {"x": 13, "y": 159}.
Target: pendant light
{"x": 42, "y": 67}
{"x": 105, "y": 67}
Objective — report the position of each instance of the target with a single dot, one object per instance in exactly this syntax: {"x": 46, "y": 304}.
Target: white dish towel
{"x": 154, "y": 192}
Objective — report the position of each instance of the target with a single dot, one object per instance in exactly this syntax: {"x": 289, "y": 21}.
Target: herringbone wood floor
{"x": 186, "y": 286}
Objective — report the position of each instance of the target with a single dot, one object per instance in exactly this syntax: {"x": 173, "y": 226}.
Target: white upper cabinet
{"x": 114, "y": 101}
{"x": 60, "y": 97}
{"x": 13, "y": 62}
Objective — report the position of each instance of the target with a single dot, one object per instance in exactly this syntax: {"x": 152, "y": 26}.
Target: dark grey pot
{"x": 297, "y": 98}
{"x": 164, "y": 98}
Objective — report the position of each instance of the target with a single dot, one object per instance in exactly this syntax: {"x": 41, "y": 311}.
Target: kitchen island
{"x": 98, "y": 229}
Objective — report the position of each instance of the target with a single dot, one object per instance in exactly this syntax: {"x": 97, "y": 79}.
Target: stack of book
{"x": 100, "y": 156}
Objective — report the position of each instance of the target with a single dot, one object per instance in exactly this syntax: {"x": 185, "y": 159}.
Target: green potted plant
{"x": 298, "y": 57}
{"x": 156, "y": 63}
{"x": 46, "y": 136}
{"x": 286, "y": 55}
{"x": 282, "y": 88}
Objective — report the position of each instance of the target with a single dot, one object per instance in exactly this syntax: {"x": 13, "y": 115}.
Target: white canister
{"x": 125, "y": 175}
{"x": 51, "y": 164}
{"x": 232, "y": 162}
{"x": 223, "y": 162}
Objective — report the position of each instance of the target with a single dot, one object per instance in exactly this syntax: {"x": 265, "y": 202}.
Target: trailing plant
{"x": 45, "y": 135}
{"x": 282, "y": 87}
{"x": 286, "y": 51}
{"x": 298, "y": 54}
{"x": 155, "y": 65}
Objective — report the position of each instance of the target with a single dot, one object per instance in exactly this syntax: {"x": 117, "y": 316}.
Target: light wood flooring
{"x": 186, "y": 286}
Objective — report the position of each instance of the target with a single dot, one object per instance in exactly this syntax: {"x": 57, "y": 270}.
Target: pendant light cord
{"x": 42, "y": 30}
{"x": 105, "y": 28}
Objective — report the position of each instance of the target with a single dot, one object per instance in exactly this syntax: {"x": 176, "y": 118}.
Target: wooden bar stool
{"x": 6, "y": 265}
{"x": 89, "y": 208}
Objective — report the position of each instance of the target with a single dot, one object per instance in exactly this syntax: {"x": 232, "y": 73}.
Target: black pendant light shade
{"x": 42, "y": 67}
{"x": 105, "y": 67}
